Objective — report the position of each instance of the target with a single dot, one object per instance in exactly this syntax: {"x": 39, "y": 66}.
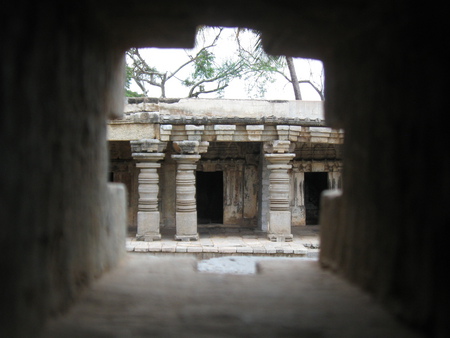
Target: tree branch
{"x": 196, "y": 94}
{"x": 316, "y": 88}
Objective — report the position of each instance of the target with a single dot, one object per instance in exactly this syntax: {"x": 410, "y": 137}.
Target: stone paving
{"x": 232, "y": 241}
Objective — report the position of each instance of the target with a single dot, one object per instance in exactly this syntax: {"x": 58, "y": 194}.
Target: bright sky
{"x": 168, "y": 60}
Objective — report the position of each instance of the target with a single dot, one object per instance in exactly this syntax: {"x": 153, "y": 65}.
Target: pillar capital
{"x": 144, "y": 159}
{"x": 190, "y": 147}
{"x": 279, "y": 147}
{"x": 147, "y": 146}
{"x": 186, "y": 158}
{"x": 277, "y": 160}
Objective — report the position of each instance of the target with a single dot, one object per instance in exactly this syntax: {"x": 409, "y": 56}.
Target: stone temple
{"x": 228, "y": 163}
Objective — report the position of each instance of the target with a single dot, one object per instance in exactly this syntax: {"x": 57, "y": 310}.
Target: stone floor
{"x": 165, "y": 296}
{"x": 228, "y": 241}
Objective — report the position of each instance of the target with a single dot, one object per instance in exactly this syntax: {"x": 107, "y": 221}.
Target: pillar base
{"x": 280, "y": 238}
{"x": 148, "y": 238}
{"x": 187, "y": 238}
{"x": 280, "y": 226}
{"x": 186, "y": 224}
{"x": 148, "y": 226}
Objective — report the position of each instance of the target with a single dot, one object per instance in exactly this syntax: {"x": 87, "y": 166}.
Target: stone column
{"x": 279, "y": 228}
{"x": 186, "y": 204}
{"x": 334, "y": 169}
{"x": 144, "y": 152}
{"x": 298, "y": 195}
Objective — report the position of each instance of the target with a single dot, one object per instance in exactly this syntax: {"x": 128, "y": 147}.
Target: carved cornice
{"x": 156, "y": 118}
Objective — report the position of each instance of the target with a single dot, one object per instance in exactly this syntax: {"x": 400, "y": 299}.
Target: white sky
{"x": 168, "y": 60}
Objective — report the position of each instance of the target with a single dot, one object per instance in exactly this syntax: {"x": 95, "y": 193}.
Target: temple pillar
{"x": 186, "y": 204}
{"x": 298, "y": 196}
{"x": 279, "y": 227}
{"x": 147, "y": 157}
{"x": 334, "y": 169}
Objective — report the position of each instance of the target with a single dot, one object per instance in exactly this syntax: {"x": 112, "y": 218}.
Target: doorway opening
{"x": 315, "y": 183}
{"x": 209, "y": 197}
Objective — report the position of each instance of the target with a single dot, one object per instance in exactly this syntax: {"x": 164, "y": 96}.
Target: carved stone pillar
{"x": 186, "y": 204}
{"x": 147, "y": 157}
{"x": 279, "y": 228}
{"x": 298, "y": 195}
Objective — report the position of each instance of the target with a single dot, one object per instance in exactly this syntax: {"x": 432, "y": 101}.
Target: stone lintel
{"x": 224, "y": 132}
{"x": 165, "y": 132}
{"x": 249, "y": 132}
{"x": 294, "y": 133}
{"x": 194, "y": 132}
{"x": 283, "y": 132}
{"x": 254, "y": 132}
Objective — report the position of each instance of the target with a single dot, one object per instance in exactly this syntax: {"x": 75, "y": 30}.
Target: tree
{"x": 207, "y": 76}
{"x": 257, "y": 55}
{"x": 293, "y": 80}
{"x": 204, "y": 71}
{"x": 128, "y": 78}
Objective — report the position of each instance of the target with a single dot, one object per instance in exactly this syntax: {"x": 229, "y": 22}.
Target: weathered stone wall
{"x": 122, "y": 169}
{"x": 240, "y": 197}
{"x": 386, "y": 231}
{"x": 56, "y": 73}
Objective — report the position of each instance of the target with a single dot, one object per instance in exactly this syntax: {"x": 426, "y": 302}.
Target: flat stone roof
{"x": 225, "y": 111}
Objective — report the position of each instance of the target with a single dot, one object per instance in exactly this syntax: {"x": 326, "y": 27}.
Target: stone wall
{"x": 386, "y": 231}
{"x": 122, "y": 169}
{"x": 59, "y": 77}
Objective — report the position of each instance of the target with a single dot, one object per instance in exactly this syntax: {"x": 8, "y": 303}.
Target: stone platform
{"x": 215, "y": 240}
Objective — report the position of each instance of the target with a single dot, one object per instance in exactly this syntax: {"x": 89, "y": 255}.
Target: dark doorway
{"x": 315, "y": 183}
{"x": 210, "y": 197}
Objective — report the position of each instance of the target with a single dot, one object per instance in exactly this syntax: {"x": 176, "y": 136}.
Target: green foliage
{"x": 130, "y": 93}
{"x": 204, "y": 65}
{"x": 128, "y": 76}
